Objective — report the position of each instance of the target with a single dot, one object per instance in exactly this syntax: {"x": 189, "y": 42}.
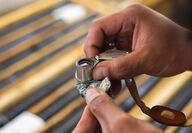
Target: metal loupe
{"x": 84, "y": 69}
{"x": 85, "y": 65}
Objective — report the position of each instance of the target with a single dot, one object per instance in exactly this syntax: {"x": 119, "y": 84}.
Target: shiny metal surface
{"x": 84, "y": 69}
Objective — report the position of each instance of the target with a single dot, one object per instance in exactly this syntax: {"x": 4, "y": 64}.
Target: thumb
{"x": 102, "y": 107}
{"x": 121, "y": 68}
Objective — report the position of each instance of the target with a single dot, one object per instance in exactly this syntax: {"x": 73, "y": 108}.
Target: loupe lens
{"x": 86, "y": 62}
{"x": 84, "y": 69}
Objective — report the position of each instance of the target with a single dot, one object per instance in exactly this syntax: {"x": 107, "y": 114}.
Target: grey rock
{"x": 104, "y": 85}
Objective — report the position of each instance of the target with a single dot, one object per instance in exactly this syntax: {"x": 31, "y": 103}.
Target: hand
{"x": 102, "y": 115}
{"x": 159, "y": 46}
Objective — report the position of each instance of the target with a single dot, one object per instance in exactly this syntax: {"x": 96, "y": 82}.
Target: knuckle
{"x": 136, "y": 5}
{"x": 144, "y": 61}
{"x": 95, "y": 22}
{"x": 135, "y": 9}
{"x": 124, "y": 123}
{"x": 120, "y": 123}
{"x": 85, "y": 48}
{"x": 118, "y": 69}
{"x": 98, "y": 103}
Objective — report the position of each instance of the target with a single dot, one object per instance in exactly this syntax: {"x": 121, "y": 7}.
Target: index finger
{"x": 102, "y": 31}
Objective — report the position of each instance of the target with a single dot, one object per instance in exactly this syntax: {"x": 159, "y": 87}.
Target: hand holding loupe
{"x": 83, "y": 74}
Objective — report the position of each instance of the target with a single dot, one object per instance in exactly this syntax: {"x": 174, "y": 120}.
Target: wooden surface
{"x": 109, "y": 6}
{"x": 25, "y": 30}
{"x": 52, "y": 97}
{"x": 26, "y": 11}
{"x": 63, "y": 114}
{"x": 42, "y": 52}
{"x": 35, "y": 39}
{"x": 29, "y": 65}
{"x": 33, "y": 80}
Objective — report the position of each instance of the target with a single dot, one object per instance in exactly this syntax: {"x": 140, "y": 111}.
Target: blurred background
{"x": 40, "y": 41}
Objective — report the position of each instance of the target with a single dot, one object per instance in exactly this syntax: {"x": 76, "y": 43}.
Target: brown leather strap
{"x": 131, "y": 85}
{"x": 161, "y": 114}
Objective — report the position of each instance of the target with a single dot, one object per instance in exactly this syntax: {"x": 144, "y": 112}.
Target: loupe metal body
{"x": 84, "y": 69}
{"x": 84, "y": 77}
{"x": 85, "y": 65}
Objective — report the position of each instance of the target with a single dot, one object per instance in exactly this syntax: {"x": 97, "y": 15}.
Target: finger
{"x": 94, "y": 41}
{"x": 88, "y": 123}
{"x": 122, "y": 68}
{"x": 103, "y": 107}
{"x": 84, "y": 55}
{"x": 102, "y": 30}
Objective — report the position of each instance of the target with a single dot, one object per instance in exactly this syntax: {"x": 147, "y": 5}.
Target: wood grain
{"x": 38, "y": 38}
{"x": 52, "y": 97}
{"x": 162, "y": 93}
{"x": 26, "y": 11}
{"x": 150, "y": 3}
{"x": 44, "y": 51}
{"x": 63, "y": 114}
{"x": 97, "y": 5}
{"x": 36, "y": 78}
{"x": 26, "y": 29}
{"x": 108, "y": 7}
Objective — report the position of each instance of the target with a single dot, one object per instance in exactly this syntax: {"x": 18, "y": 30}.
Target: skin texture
{"x": 158, "y": 46}
{"x": 102, "y": 115}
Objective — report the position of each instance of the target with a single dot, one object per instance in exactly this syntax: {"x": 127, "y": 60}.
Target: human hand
{"x": 159, "y": 46}
{"x": 102, "y": 115}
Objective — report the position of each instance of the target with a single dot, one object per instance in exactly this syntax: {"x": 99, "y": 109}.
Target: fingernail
{"x": 92, "y": 94}
{"x": 100, "y": 73}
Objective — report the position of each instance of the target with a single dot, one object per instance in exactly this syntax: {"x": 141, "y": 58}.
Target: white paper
{"x": 24, "y": 123}
{"x": 69, "y": 12}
